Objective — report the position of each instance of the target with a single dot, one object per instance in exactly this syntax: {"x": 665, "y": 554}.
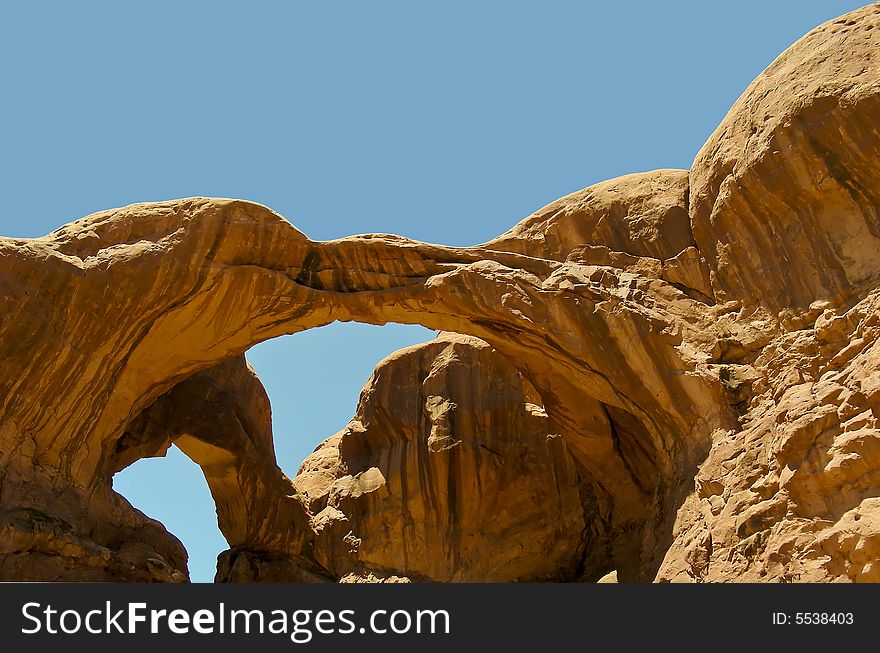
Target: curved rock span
{"x": 670, "y": 375}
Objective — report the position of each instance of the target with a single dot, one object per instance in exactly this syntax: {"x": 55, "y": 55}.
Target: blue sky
{"x": 445, "y": 122}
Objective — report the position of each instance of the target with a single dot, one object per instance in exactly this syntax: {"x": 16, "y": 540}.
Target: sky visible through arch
{"x": 444, "y": 122}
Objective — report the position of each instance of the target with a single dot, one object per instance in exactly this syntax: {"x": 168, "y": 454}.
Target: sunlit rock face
{"x": 670, "y": 375}
{"x": 450, "y": 470}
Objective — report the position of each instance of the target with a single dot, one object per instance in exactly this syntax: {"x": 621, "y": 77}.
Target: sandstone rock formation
{"x": 671, "y": 375}
{"x": 449, "y": 471}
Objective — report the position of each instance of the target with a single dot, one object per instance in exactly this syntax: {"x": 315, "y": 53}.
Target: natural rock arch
{"x": 660, "y": 306}
{"x": 213, "y": 277}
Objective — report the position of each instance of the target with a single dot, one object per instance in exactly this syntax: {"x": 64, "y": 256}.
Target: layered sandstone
{"x": 450, "y": 470}
{"x": 670, "y": 375}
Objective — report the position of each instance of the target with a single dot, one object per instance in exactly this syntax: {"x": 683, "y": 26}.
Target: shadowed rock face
{"x": 672, "y": 374}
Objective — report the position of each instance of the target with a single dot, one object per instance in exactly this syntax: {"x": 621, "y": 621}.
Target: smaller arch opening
{"x": 313, "y": 381}
{"x": 172, "y": 489}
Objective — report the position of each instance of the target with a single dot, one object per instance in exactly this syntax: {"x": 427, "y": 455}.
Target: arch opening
{"x": 167, "y": 458}
{"x": 333, "y": 362}
{"x": 172, "y": 490}
{"x": 221, "y": 419}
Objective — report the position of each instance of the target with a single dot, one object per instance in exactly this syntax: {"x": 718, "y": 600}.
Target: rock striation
{"x": 668, "y": 376}
{"x": 450, "y": 470}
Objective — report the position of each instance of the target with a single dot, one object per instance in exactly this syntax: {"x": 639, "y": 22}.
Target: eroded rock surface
{"x": 450, "y": 470}
{"x": 671, "y": 375}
